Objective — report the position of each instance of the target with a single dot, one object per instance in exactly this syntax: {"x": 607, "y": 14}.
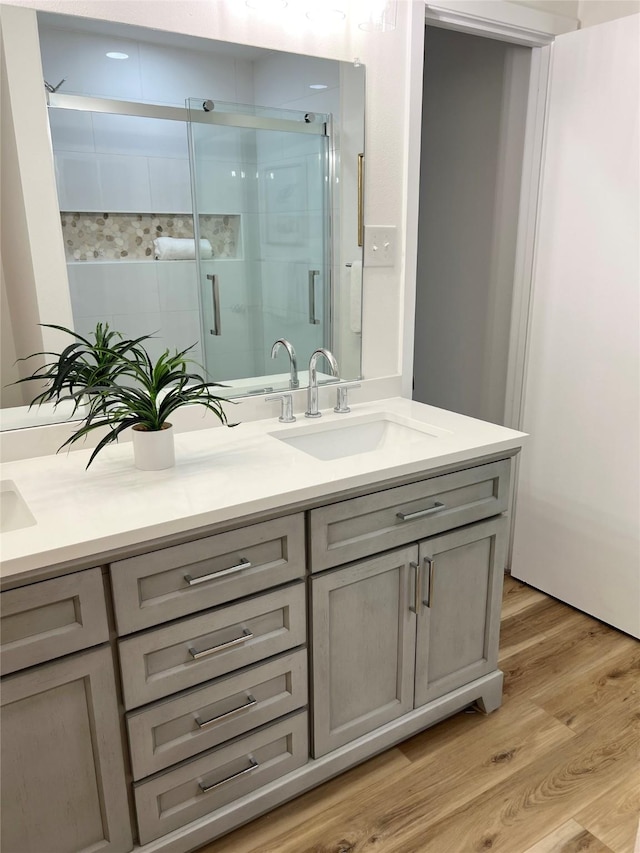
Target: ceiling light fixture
{"x": 318, "y": 86}
{"x": 114, "y": 54}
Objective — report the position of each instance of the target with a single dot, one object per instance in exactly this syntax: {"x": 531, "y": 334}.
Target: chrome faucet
{"x": 282, "y": 342}
{"x": 312, "y": 391}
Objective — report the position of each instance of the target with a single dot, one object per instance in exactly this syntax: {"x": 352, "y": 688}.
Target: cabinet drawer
{"x": 359, "y": 527}
{"x": 172, "y": 582}
{"x": 222, "y": 775}
{"x": 177, "y": 729}
{"x": 53, "y": 618}
{"x": 165, "y": 660}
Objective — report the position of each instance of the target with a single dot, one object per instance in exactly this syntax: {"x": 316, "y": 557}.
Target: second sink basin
{"x": 14, "y": 513}
{"x": 355, "y": 435}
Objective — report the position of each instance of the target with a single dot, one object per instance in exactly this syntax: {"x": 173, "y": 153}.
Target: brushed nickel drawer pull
{"x": 250, "y": 703}
{"x": 246, "y": 635}
{"x": 417, "y": 587}
{"x": 243, "y": 564}
{"x": 206, "y": 788}
{"x": 431, "y": 563}
{"x": 409, "y": 516}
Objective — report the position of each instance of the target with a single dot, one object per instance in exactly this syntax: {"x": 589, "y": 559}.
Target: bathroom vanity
{"x": 184, "y": 650}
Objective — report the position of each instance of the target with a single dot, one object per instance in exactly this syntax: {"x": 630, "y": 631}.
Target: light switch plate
{"x": 380, "y": 245}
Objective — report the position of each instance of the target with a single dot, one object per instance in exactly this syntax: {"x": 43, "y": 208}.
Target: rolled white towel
{"x": 180, "y": 249}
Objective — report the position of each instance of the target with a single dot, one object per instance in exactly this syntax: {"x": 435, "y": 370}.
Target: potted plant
{"x": 121, "y": 387}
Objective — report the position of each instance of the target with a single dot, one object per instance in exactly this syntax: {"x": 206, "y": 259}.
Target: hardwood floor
{"x": 555, "y": 770}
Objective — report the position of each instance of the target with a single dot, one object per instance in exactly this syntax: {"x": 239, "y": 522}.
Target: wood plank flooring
{"x": 555, "y": 770}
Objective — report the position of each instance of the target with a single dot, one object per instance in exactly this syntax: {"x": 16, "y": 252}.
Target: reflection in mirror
{"x": 247, "y": 155}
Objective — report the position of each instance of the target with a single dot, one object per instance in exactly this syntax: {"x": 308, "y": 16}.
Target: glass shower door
{"x": 260, "y": 186}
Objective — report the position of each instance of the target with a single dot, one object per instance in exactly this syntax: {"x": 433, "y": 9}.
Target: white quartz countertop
{"x": 220, "y": 475}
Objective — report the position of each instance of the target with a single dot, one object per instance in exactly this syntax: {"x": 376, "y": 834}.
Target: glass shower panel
{"x": 260, "y": 184}
{"x": 123, "y": 181}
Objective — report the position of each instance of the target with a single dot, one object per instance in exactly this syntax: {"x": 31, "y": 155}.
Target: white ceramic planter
{"x": 153, "y": 451}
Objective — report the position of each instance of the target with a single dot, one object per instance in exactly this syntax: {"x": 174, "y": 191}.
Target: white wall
{"x": 569, "y": 8}
{"x": 33, "y": 278}
{"x": 10, "y": 395}
{"x": 593, "y": 12}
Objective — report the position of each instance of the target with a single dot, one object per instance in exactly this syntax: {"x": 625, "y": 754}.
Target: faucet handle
{"x": 286, "y": 411}
{"x": 342, "y": 388}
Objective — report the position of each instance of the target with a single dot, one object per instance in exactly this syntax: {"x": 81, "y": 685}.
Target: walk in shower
{"x": 206, "y": 225}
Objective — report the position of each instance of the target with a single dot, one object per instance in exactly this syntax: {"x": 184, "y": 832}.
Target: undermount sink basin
{"x": 14, "y": 513}
{"x": 356, "y": 435}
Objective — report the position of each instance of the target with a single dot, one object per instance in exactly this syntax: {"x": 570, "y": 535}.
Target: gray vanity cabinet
{"x": 400, "y": 586}
{"x": 363, "y": 640}
{"x": 458, "y": 607}
{"x": 392, "y": 633}
{"x": 62, "y": 771}
{"x": 63, "y": 786}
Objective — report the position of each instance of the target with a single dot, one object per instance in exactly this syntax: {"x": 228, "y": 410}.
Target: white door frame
{"x": 517, "y": 25}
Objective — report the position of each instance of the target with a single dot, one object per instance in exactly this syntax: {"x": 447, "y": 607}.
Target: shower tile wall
{"x": 130, "y": 236}
{"x": 159, "y": 299}
{"x": 129, "y": 166}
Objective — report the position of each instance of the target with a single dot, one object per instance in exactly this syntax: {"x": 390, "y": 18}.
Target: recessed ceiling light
{"x": 318, "y": 86}
{"x": 114, "y": 54}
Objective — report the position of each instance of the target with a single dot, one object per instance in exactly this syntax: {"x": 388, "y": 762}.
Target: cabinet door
{"x": 63, "y": 784}
{"x": 363, "y": 647}
{"x": 458, "y": 622}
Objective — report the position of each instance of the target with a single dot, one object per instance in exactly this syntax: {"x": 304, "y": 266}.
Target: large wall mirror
{"x": 209, "y": 194}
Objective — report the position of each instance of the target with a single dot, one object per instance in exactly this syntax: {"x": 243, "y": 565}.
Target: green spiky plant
{"x": 83, "y": 364}
{"x": 121, "y": 386}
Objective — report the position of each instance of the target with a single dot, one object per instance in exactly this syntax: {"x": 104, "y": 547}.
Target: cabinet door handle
{"x": 204, "y": 724}
{"x": 243, "y": 564}
{"x": 246, "y": 635}
{"x": 206, "y": 788}
{"x": 409, "y": 516}
{"x": 431, "y": 563}
{"x": 417, "y": 587}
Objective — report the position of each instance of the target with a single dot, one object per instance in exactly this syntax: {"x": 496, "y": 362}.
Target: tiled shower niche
{"x": 130, "y": 236}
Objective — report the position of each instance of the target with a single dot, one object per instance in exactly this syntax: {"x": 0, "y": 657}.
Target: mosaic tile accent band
{"x": 130, "y": 236}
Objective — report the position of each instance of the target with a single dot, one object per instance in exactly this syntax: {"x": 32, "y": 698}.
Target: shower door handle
{"x": 312, "y": 297}
{"x": 215, "y": 295}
